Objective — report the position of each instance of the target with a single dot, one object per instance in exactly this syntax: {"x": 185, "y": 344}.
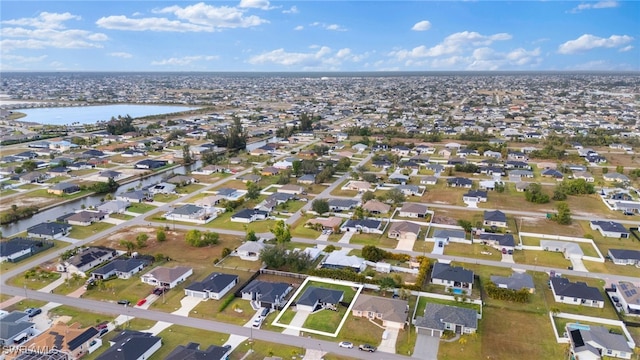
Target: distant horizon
{"x": 313, "y": 35}
{"x": 330, "y": 72}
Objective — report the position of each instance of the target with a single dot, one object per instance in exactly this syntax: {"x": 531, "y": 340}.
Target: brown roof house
{"x": 392, "y": 312}
{"x": 404, "y": 230}
{"x": 413, "y": 210}
{"x": 167, "y": 277}
{"x": 376, "y": 207}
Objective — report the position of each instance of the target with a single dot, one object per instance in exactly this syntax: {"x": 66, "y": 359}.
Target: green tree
{"x": 193, "y": 237}
{"x": 296, "y": 167}
{"x": 385, "y": 284}
{"x": 620, "y": 169}
{"x": 563, "y": 216}
{"x": 29, "y": 165}
{"x": 535, "y": 195}
{"x": 396, "y": 196}
{"x": 161, "y": 236}
{"x": 466, "y": 225}
{"x": 253, "y": 190}
{"x": 128, "y": 244}
{"x": 320, "y": 206}
{"x": 281, "y": 232}
{"x": 251, "y": 236}
{"x": 368, "y": 195}
{"x": 372, "y": 253}
{"x": 358, "y": 213}
{"x": 186, "y": 155}
{"x": 141, "y": 240}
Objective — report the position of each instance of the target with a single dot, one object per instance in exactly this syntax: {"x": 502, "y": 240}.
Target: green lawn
{"x": 239, "y": 312}
{"x": 223, "y": 221}
{"x": 188, "y": 189}
{"x": 325, "y": 320}
{"x": 182, "y": 335}
{"x": 379, "y": 240}
{"x": 234, "y": 262}
{"x": 140, "y": 208}
{"x": 165, "y": 198}
{"x": 35, "y": 279}
{"x": 541, "y": 258}
{"x": 121, "y": 216}
{"x": 262, "y": 349}
{"x": 83, "y": 232}
{"x": 472, "y": 251}
{"x": 85, "y": 318}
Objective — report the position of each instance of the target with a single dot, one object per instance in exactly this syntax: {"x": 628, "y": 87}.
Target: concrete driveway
{"x": 578, "y": 265}
{"x": 405, "y": 244}
{"x": 298, "y": 321}
{"x": 508, "y": 258}
{"x": 388, "y": 345}
{"x": 426, "y": 347}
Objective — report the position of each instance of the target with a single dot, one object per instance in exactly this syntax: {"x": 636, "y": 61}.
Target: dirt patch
{"x": 24, "y": 201}
{"x": 439, "y": 219}
{"x": 62, "y": 319}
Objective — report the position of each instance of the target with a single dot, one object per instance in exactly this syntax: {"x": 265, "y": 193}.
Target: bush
{"x": 226, "y": 302}
{"x": 225, "y": 252}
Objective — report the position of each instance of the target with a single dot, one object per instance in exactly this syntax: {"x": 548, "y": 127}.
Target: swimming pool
{"x": 578, "y": 326}
{"x": 458, "y": 291}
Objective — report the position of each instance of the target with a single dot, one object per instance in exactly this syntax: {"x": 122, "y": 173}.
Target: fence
{"x": 283, "y": 273}
{"x": 618, "y": 323}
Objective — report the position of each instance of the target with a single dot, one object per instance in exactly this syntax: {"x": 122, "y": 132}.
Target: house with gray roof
{"x": 15, "y": 328}
{"x": 120, "y": 268}
{"x": 339, "y": 260}
{"x": 266, "y": 294}
{"x": 444, "y": 236}
{"x": 438, "y": 317}
{"x": 307, "y": 179}
{"x": 629, "y": 296}
{"x": 86, "y": 259}
{"x": 369, "y": 226}
{"x": 568, "y": 248}
{"x": 131, "y": 344}
{"x": 113, "y": 207}
{"x": 189, "y": 212}
{"x": 575, "y": 293}
{"x": 315, "y": 298}
{"x": 86, "y": 218}
{"x": 495, "y": 218}
{"x": 475, "y": 196}
{"x": 63, "y": 188}
{"x": 593, "y": 342}
{"x": 167, "y": 277}
{"x": 625, "y": 256}
{"x": 192, "y": 352}
{"x": 135, "y": 196}
{"x": 517, "y": 281}
{"x": 162, "y": 188}
{"x": 16, "y": 249}
{"x": 49, "y": 230}
{"x": 392, "y": 312}
{"x": 343, "y": 204}
{"x": 454, "y": 277}
{"x": 215, "y": 286}
{"x": 498, "y": 241}
{"x": 610, "y": 229}
{"x": 413, "y": 210}
{"x": 460, "y": 182}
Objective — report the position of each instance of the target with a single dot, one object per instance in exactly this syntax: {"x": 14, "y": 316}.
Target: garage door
{"x": 430, "y": 332}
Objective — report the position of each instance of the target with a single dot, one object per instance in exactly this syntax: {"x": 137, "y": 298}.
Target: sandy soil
{"x": 23, "y": 201}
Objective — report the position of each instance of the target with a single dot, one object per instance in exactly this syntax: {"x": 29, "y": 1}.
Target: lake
{"x": 93, "y": 114}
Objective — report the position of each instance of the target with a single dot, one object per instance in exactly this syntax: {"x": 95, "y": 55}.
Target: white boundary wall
{"x": 600, "y": 258}
{"x": 603, "y": 321}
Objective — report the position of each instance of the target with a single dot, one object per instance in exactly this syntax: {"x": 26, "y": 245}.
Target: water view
{"x": 93, "y": 114}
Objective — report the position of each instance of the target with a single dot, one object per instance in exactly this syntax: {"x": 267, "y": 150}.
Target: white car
{"x": 257, "y": 322}
{"x": 345, "y": 344}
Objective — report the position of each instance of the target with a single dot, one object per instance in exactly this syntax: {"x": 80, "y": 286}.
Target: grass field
{"x": 472, "y": 251}
{"x": 85, "y": 318}
{"x": 223, "y": 221}
{"x": 121, "y": 216}
{"x": 140, "y": 208}
{"x": 83, "y": 232}
{"x": 379, "y": 240}
{"x": 262, "y": 349}
{"x": 188, "y": 189}
{"x": 182, "y": 335}
{"x": 165, "y": 198}
{"x": 325, "y": 320}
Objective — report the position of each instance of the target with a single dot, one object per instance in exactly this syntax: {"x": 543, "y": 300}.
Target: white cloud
{"x": 298, "y": 28}
{"x": 626, "y": 48}
{"x": 256, "y": 4}
{"x": 589, "y": 42}
{"x": 124, "y": 55}
{"x": 47, "y": 30}
{"x": 291, "y": 10}
{"x": 23, "y": 59}
{"x": 321, "y": 58}
{"x": 186, "y": 60}
{"x": 331, "y": 27}
{"x": 452, "y": 44}
{"x": 605, "y": 4}
{"x": 193, "y": 18}
{"x": 423, "y": 25}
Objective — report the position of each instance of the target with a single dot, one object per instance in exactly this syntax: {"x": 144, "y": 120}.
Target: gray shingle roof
{"x": 516, "y": 281}
{"x": 314, "y": 294}
{"x": 436, "y": 315}
{"x": 451, "y": 273}
{"x": 564, "y": 287}
{"x": 215, "y": 282}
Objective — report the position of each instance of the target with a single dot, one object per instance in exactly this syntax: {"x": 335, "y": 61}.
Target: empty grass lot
{"x": 84, "y": 318}
{"x": 541, "y": 258}
{"x": 83, "y": 232}
{"x": 472, "y": 251}
{"x": 379, "y": 240}
{"x": 188, "y": 189}
{"x": 223, "y": 221}
{"x": 263, "y": 349}
{"x": 37, "y": 278}
{"x": 165, "y": 198}
{"x": 140, "y": 208}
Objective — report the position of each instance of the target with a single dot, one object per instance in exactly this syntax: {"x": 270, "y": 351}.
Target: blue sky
{"x": 263, "y": 35}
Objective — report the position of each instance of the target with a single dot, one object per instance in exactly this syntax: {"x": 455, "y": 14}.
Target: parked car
{"x": 159, "y": 290}
{"x": 103, "y": 331}
{"x": 265, "y": 312}
{"x": 102, "y": 325}
{"x": 141, "y": 302}
{"x": 124, "y": 302}
{"x": 367, "y": 347}
{"x": 257, "y": 322}
{"x": 33, "y": 312}
{"x": 510, "y": 252}
{"x": 504, "y": 251}
{"x": 615, "y": 299}
{"x": 345, "y": 344}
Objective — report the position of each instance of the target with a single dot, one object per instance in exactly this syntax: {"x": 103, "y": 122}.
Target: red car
{"x": 141, "y": 302}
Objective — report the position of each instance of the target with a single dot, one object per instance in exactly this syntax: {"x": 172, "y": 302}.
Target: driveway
{"x": 405, "y": 244}
{"x": 426, "y": 347}
{"x": 298, "y": 321}
{"x": 578, "y": 265}
{"x": 346, "y": 237}
{"x": 388, "y": 345}
{"x": 437, "y": 249}
{"x": 508, "y": 258}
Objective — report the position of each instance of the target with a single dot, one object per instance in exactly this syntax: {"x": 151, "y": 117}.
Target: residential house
{"x": 86, "y": 259}
{"x": 266, "y": 294}
{"x": 438, "y": 317}
{"x": 132, "y": 345}
{"x": 569, "y": 249}
{"x": 315, "y": 298}
{"x": 362, "y": 225}
{"x": 576, "y": 293}
{"x": 436, "y": 168}
{"x": 517, "y": 281}
{"x": 615, "y": 177}
{"x": 625, "y": 256}
{"x": 392, "y": 312}
{"x": 181, "y": 180}
{"x": 73, "y": 340}
{"x": 413, "y": 210}
{"x": 107, "y": 175}
{"x": 429, "y": 180}
{"x": 404, "y": 230}
{"x": 594, "y": 342}
{"x": 359, "y": 186}
{"x": 214, "y": 286}
{"x": 250, "y": 178}
{"x": 86, "y": 218}
{"x": 455, "y": 277}
{"x": 18, "y": 248}
{"x": 610, "y": 229}
{"x": 150, "y": 164}
{"x": 135, "y": 196}
{"x": 410, "y": 190}
{"x": 460, "y": 182}
{"x": 16, "y": 329}
{"x": 584, "y": 175}
{"x": 338, "y": 205}
{"x": 552, "y": 173}
{"x": 58, "y": 171}
{"x": 113, "y": 207}
{"x": 188, "y": 212}
{"x": 269, "y": 171}
{"x": 33, "y": 177}
{"x": 330, "y": 223}
{"x": 376, "y": 207}
{"x": 495, "y": 218}
{"x": 250, "y": 250}
{"x": 502, "y": 242}
{"x": 167, "y": 277}
{"x": 230, "y": 193}
{"x": 307, "y": 179}
{"x": 162, "y": 188}
{"x": 192, "y": 352}
{"x": 49, "y": 230}
{"x": 398, "y": 178}
{"x": 629, "y": 296}
{"x": 444, "y": 236}
{"x": 249, "y": 215}
{"x": 209, "y": 202}
{"x": 120, "y": 268}
{"x": 291, "y": 189}
{"x": 475, "y": 196}
{"x": 339, "y": 260}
